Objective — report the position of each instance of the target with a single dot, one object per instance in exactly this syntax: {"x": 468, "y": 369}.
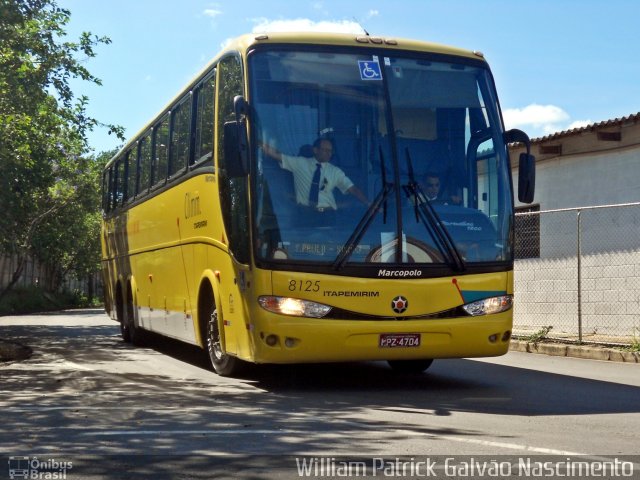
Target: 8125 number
{"x": 304, "y": 285}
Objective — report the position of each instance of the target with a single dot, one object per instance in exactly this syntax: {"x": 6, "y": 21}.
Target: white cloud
{"x": 372, "y": 13}
{"x": 319, "y": 6}
{"x": 212, "y": 12}
{"x": 539, "y": 120}
{"x": 264, "y": 25}
{"x": 579, "y": 124}
{"x": 538, "y": 116}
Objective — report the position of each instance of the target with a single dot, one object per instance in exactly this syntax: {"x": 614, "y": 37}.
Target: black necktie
{"x": 314, "y": 193}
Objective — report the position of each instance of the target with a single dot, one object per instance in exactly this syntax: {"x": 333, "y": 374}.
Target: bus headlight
{"x": 293, "y": 306}
{"x": 489, "y": 306}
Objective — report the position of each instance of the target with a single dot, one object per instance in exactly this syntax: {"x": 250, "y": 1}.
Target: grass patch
{"x": 634, "y": 346}
{"x": 538, "y": 336}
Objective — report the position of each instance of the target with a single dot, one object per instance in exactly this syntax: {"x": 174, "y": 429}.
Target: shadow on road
{"x": 84, "y": 392}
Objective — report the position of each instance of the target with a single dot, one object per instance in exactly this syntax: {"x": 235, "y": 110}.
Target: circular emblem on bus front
{"x": 399, "y": 304}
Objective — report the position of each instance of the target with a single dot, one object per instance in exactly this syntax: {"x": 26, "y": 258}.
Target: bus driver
{"x": 314, "y": 179}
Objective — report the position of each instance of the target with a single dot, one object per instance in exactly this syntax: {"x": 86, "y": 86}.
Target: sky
{"x": 557, "y": 64}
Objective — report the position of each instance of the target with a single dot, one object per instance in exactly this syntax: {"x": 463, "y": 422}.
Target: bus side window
{"x": 112, "y": 188}
{"x": 106, "y": 191}
{"x": 161, "y": 152}
{"x": 119, "y": 183}
{"x": 132, "y": 172}
{"x": 203, "y": 154}
{"x": 233, "y": 191}
{"x": 145, "y": 164}
{"x": 180, "y": 136}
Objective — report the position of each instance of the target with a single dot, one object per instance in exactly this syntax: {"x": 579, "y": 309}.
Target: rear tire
{"x": 136, "y": 335}
{"x": 120, "y": 314}
{"x": 410, "y": 366}
{"x": 223, "y": 364}
{"x": 124, "y": 331}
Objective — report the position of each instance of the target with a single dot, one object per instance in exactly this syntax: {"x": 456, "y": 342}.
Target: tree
{"x": 69, "y": 242}
{"x": 43, "y": 126}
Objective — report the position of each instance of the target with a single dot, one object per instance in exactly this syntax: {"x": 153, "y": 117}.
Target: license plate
{"x": 399, "y": 340}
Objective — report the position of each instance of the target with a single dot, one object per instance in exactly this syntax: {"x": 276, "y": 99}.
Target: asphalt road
{"x": 87, "y": 397}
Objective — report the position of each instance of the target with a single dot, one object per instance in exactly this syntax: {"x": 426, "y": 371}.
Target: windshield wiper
{"x": 425, "y": 211}
{"x": 367, "y": 218}
{"x": 383, "y": 172}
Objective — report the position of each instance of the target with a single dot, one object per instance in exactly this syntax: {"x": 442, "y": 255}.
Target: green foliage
{"x": 48, "y": 187}
{"x": 635, "y": 343}
{"x": 70, "y": 240}
{"x": 538, "y": 336}
{"x": 22, "y": 300}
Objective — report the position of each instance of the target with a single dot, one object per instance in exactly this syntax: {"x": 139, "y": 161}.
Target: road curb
{"x": 575, "y": 351}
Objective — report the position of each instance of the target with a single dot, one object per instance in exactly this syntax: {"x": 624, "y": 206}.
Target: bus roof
{"x": 346, "y": 39}
{"x": 244, "y": 43}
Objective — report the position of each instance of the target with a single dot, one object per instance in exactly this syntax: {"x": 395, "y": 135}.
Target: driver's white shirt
{"x": 331, "y": 177}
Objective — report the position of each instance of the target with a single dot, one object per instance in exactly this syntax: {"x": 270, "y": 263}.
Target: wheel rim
{"x": 215, "y": 349}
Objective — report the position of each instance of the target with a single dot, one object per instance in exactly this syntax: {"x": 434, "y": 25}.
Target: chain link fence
{"x": 577, "y": 274}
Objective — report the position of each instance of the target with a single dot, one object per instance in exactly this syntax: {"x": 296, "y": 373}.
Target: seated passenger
{"x": 431, "y": 190}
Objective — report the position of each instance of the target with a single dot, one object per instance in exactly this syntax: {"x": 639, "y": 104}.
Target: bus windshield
{"x": 377, "y": 158}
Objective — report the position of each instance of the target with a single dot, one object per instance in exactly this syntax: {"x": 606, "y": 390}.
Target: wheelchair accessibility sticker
{"x": 369, "y": 70}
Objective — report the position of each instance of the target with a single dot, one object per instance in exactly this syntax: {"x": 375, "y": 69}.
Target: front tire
{"x": 413, "y": 367}
{"x": 223, "y": 364}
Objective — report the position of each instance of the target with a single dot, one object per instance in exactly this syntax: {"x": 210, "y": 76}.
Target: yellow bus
{"x": 320, "y": 198}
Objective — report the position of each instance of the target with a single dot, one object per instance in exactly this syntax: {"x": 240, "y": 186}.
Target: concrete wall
{"x": 588, "y": 171}
{"x": 591, "y": 179}
{"x": 584, "y": 168}
{"x": 546, "y": 294}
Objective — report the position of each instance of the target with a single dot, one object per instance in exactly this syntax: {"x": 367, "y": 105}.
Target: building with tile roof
{"x": 598, "y": 164}
{"x": 577, "y": 263}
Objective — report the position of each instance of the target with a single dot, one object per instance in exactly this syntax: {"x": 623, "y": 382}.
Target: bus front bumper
{"x": 304, "y": 340}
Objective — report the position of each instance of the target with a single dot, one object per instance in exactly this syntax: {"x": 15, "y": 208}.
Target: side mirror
{"x": 515, "y": 135}
{"x": 240, "y": 106}
{"x": 526, "y": 166}
{"x": 235, "y": 150}
{"x": 236, "y": 144}
{"x": 526, "y": 178}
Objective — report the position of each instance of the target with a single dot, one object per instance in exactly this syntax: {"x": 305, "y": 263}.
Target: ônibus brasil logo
{"x": 399, "y": 304}
{"x": 32, "y": 468}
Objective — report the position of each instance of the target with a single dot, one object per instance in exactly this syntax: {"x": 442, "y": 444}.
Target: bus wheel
{"x": 222, "y": 363}
{"x": 124, "y": 324}
{"x": 136, "y": 335}
{"x": 124, "y": 331}
{"x": 410, "y": 366}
